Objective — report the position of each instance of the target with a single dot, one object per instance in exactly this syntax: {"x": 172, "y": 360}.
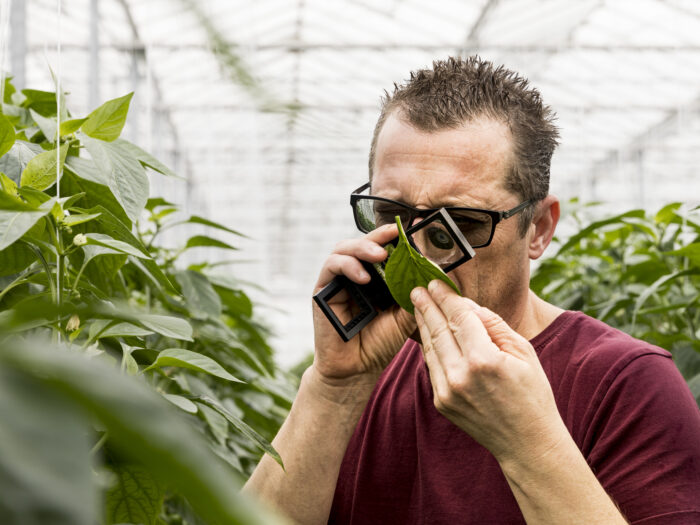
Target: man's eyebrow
{"x": 448, "y": 204}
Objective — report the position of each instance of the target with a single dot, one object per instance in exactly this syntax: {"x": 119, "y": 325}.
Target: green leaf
{"x": 243, "y": 428}
{"x": 145, "y": 158}
{"x": 666, "y": 214}
{"x": 79, "y": 218}
{"x": 167, "y": 325}
{"x": 196, "y": 219}
{"x": 691, "y": 251}
{"x": 201, "y": 298}
{"x": 407, "y": 269}
{"x": 40, "y": 172}
{"x": 574, "y": 239}
{"x": 101, "y": 328}
{"x": 45, "y": 475}
{"x": 43, "y": 102}
{"x": 236, "y": 301}
{"x": 47, "y": 125}
{"x": 217, "y": 423}
{"x": 142, "y": 427}
{"x": 9, "y": 90}
{"x": 152, "y": 271}
{"x": 155, "y": 202}
{"x": 7, "y": 135}
{"x": 108, "y": 223}
{"x": 106, "y": 241}
{"x": 110, "y": 262}
{"x": 648, "y": 292}
{"x": 7, "y": 185}
{"x": 182, "y": 403}
{"x": 204, "y": 240}
{"x": 71, "y": 126}
{"x": 193, "y": 361}
{"x": 15, "y": 161}
{"x": 130, "y": 364}
{"x": 17, "y": 218}
{"x": 70, "y": 201}
{"x": 107, "y": 121}
{"x": 135, "y": 497}
{"x": 15, "y": 258}
{"x": 96, "y": 194}
{"x": 122, "y": 173}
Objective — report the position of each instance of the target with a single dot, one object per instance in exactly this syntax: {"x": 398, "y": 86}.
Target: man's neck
{"x": 537, "y": 315}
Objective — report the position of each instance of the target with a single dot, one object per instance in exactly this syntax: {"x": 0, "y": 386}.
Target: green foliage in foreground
{"x": 637, "y": 272}
{"x": 132, "y": 389}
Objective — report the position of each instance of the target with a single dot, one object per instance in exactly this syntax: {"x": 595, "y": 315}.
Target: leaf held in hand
{"x": 407, "y": 269}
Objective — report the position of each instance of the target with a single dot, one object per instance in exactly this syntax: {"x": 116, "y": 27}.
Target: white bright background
{"x": 267, "y": 107}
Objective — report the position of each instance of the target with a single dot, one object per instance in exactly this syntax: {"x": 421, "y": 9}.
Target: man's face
{"x": 460, "y": 167}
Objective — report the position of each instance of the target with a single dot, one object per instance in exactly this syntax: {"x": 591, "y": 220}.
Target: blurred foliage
{"x": 636, "y": 271}
{"x": 132, "y": 389}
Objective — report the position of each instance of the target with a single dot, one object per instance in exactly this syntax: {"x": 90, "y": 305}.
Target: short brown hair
{"x": 458, "y": 90}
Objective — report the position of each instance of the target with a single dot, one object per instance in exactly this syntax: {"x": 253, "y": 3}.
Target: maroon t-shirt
{"x": 623, "y": 401}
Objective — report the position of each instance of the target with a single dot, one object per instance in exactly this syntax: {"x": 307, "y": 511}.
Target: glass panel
{"x": 435, "y": 242}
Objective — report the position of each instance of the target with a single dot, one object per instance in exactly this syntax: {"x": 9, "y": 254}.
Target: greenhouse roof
{"x": 267, "y": 107}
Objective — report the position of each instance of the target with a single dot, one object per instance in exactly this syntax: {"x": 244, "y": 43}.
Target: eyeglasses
{"x": 476, "y": 225}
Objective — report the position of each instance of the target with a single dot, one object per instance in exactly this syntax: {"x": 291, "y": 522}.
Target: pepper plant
{"x": 637, "y": 271}
{"x": 158, "y": 393}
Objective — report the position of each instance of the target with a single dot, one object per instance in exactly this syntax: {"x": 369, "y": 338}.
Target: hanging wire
{"x": 5, "y": 9}
{"x": 58, "y": 157}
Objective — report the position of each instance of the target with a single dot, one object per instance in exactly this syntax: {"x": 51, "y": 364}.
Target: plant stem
{"x": 153, "y": 238}
{"x": 47, "y": 269}
{"x": 16, "y": 282}
{"x": 77, "y": 277}
{"x": 99, "y": 444}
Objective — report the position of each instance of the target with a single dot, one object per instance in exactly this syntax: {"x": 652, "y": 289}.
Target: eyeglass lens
{"x": 372, "y": 213}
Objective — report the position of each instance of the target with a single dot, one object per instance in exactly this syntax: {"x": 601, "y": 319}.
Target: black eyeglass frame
{"x": 496, "y": 216}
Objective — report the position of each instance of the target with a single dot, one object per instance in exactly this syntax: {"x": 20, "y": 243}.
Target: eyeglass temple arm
{"x": 519, "y": 207}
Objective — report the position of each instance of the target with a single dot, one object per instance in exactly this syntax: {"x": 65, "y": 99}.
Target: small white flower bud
{"x": 73, "y": 323}
{"x": 80, "y": 240}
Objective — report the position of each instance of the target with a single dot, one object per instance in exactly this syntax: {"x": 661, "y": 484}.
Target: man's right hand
{"x": 368, "y": 353}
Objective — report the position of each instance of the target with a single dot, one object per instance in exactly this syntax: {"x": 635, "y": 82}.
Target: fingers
{"x": 337, "y": 264}
{"x": 345, "y": 259}
{"x": 503, "y": 336}
{"x": 472, "y": 324}
{"x": 435, "y": 331}
{"x": 461, "y": 319}
{"x": 438, "y": 380}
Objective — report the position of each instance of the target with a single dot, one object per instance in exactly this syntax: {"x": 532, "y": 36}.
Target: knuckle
{"x": 440, "y": 331}
{"x": 440, "y": 400}
{"x": 461, "y": 318}
{"x": 482, "y": 367}
{"x": 457, "y": 381}
{"x": 340, "y": 246}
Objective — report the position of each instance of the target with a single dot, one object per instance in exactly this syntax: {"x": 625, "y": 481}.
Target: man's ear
{"x": 543, "y": 224}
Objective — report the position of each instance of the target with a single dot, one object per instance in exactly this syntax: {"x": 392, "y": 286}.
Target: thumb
{"x": 503, "y": 336}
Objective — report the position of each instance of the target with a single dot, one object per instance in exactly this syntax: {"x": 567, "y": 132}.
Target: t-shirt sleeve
{"x": 646, "y": 450}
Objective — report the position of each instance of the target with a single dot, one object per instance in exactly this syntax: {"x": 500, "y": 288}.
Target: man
{"x": 510, "y": 409}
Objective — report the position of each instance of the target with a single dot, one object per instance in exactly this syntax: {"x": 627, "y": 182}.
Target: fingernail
{"x": 378, "y": 250}
{"x": 415, "y": 294}
{"x": 363, "y": 274}
{"x": 434, "y": 285}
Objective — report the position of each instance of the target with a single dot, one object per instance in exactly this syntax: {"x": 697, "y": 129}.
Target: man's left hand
{"x": 486, "y": 377}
